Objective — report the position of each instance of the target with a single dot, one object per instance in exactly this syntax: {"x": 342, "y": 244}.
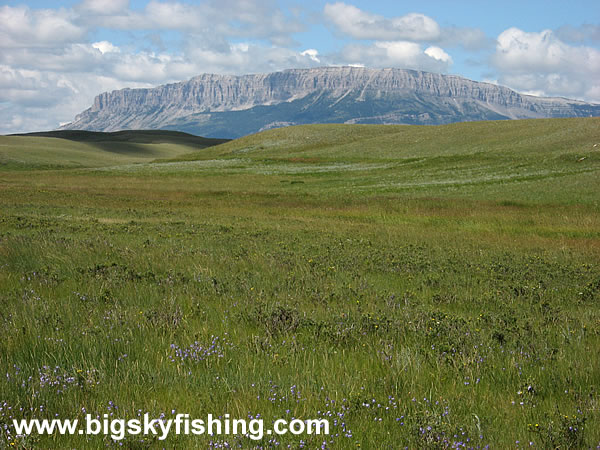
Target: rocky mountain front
{"x": 232, "y": 106}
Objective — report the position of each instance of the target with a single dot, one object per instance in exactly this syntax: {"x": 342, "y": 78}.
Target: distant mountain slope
{"x": 75, "y": 148}
{"x": 233, "y": 106}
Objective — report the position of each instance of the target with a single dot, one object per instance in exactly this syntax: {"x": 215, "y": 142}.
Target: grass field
{"x": 421, "y": 287}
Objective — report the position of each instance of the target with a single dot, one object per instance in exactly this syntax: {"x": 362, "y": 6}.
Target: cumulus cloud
{"x": 40, "y": 100}
{"x": 25, "y": 87}
{"x": 403, "y": 54}
{"x": 229, "y": 18}
{"x": 22, "y": 27}
{"x": 398, "y": 41}
{"x": 414, "y": 27}
{"x": 106, "y": 47}
{"x": 254, "y": 58}
{"x": 312, "y": 53}
{"x": 360, "y": 24}
{"x": 439, "y": 54}
{"x": 541, "y": 63}
{"x": 63, "y": 59}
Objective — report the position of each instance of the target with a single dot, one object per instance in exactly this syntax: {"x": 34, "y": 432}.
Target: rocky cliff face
{"x": 231, "y": 106}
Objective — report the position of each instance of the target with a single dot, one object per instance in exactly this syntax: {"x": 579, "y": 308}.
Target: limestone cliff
{"x": 231, "y": 106}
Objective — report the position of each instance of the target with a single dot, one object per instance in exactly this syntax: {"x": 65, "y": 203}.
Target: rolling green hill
{"x": 73, "y": 148}
{"x": 547, "y": 138}
{"x": 554, "y": 160}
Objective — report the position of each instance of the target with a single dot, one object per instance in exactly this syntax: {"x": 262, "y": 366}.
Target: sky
{"x": 55, "y": 57}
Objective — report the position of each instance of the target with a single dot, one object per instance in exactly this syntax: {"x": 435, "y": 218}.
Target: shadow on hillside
{"x": 130, "y": 142}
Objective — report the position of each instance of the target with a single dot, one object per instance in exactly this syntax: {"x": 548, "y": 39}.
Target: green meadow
{"x": 418, "y": 286}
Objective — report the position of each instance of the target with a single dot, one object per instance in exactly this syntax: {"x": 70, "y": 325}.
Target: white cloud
{"x": 64, "y": 59}
{"x": 521, "y": 51}
{"x": 40, "y": 100}
{"x": 414, "y": 27}
{"x": 544, "y": 64}
{"x": 363, "y": 25}
{"x": 402, "y": 54}
{"x": 252, "y": 58}
{"x": 106, "y": 47}
{"x": 153, "y": 68}
{"x": 174, "y": 15}
{"x": 230, "y": 18}
{"x": 438, "y": 53}
{"x": 22, "y": 27}
{"x": 312, "y": 54}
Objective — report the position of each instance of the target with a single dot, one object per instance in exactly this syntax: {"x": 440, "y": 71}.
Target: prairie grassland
{"x": 421, "y": 287}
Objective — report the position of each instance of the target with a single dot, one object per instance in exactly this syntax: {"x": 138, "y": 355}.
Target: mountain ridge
{"x": 231, "y": 106}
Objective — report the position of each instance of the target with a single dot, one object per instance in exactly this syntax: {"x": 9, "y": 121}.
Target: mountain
{"x": 233, "y": 106}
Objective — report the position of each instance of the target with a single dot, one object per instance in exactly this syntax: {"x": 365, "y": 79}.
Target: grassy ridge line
{"x": 74, "y": 148}
{"x": 555, "y": 161}
{"x": 536, "y": 137}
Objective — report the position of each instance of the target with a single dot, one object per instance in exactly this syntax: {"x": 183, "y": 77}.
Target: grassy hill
{"x": 72, "y": 148}
{"x": 554, "y": 160}
{"x": 546, "y": 138}
{"x": 421, "y": 287}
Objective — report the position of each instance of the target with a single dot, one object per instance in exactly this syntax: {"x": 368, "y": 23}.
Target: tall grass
{"x": 420, "y": 318}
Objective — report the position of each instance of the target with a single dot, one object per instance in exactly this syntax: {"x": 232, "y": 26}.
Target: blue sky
{"x": 55, "y": 57}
